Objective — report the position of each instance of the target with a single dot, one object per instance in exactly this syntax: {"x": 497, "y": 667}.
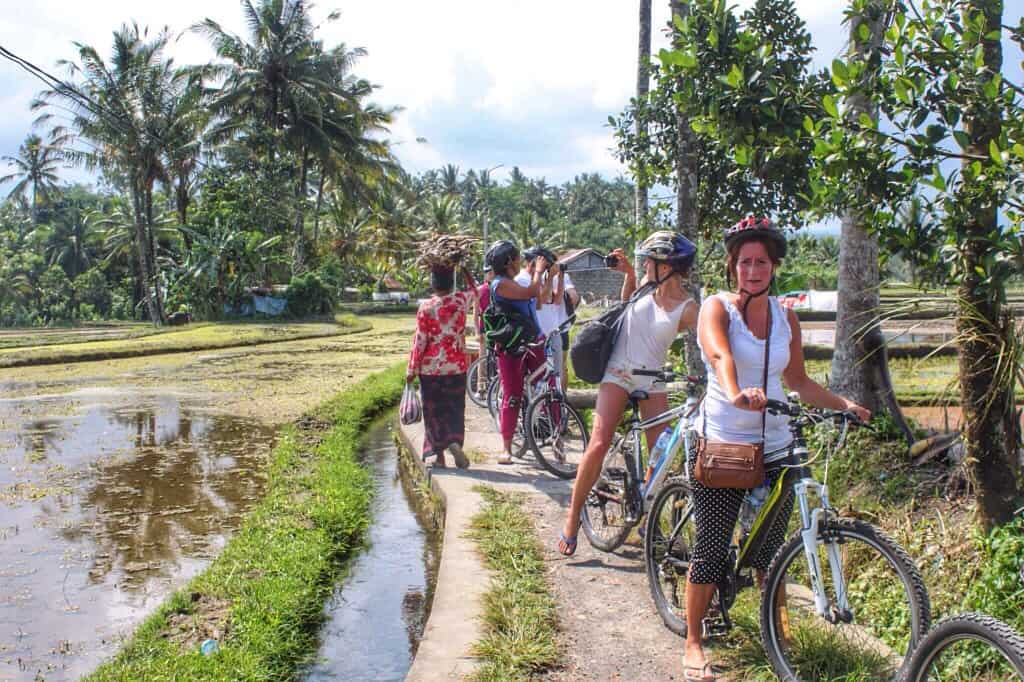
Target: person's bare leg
{"x": 698, "y": 596}
{"x": 611, "y": 401}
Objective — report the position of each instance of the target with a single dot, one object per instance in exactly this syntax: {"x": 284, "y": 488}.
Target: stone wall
{"x": 593, "y": 285}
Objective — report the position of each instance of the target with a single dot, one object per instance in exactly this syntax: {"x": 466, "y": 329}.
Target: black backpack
{"x": 593, "y": 345}
{"x": 507, "y": 329}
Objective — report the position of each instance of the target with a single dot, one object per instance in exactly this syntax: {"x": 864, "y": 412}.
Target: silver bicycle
{"x": 626, "y": 488}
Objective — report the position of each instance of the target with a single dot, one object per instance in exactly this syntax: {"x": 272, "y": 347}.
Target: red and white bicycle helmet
{"x": 751, "y": 227}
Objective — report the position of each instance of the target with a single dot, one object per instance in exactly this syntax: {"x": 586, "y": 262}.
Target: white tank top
{"x": 719, "y": 417}
{"x": 647, "y": 332}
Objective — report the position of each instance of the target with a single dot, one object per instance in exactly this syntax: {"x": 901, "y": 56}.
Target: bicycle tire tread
{"x": 918, "y": 593}
{"x": 988, "y": 628}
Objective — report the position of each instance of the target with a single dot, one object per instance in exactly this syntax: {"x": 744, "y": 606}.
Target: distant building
{"x": 593, "y": 279}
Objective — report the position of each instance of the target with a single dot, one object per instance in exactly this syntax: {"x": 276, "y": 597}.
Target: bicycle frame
{"x": 803, "y": 484}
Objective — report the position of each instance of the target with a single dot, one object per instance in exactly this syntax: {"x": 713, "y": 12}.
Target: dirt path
{"x": 609, "y": 628}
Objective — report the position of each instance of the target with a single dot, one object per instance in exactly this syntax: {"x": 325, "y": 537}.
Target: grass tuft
{"x": 520, "y": 622}
{"x": 277, "y": 570}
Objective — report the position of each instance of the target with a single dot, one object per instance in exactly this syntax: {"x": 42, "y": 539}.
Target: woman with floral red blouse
{"x": 438, "y": 357}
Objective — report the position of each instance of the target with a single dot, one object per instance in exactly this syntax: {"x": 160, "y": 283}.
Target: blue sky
{"x": 528, "y": 83}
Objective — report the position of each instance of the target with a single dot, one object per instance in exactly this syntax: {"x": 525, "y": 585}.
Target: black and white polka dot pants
{"x": 715, "y": 513}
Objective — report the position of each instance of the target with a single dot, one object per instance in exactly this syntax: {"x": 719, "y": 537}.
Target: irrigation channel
{"x": 122, "y": 479}
{"x": 376, "y": 616}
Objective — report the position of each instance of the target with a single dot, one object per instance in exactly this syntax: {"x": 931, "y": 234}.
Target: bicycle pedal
{"x": 713, "y": 628}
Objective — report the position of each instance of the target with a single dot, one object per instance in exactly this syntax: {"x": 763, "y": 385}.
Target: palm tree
{"x": 643, "y": 85}
{"x": 35, "y": 167}
{"x": 441, "y": 214}
{"x": 285, "y": 82}
{"x": 449, "y": 178}
{"x": 121, "y": 109}
{"x": 72, "y": 242}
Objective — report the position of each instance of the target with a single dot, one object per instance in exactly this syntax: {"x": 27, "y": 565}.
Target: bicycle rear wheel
{"x": 556, "y": 434}
{"x": 477, "y": 393}
{"x": 603, "y": 518}
{"x": 888, "y": 614}
{"x": 969, "y": 646}
{"x": 668, "y": 546}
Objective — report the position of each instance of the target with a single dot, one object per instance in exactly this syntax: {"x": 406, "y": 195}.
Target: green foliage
{"x": 999, "y": 590}
{"x": 307, "y": 295}
{"x": 742, "y": 84}
{"x": 91, "y": 289}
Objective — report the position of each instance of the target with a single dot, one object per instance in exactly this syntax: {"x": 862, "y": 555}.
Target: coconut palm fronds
{"x": 448, "y": 250}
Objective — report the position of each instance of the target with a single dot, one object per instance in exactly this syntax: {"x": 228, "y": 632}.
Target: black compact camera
{"x": 611, "y": 260}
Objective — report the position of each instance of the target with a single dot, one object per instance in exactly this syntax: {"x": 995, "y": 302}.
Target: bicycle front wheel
{"x": 556, "y": 434}
{"x": 668, "y": 547}
{"x": 873, "y": 639}
{"x": 969, "y": 646}
{"x": 603, "y": 518}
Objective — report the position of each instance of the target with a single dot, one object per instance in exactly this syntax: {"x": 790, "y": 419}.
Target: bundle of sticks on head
{"x": 447, "y": 250}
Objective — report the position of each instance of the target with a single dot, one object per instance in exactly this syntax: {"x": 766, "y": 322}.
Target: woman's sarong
{"x": 444, "y": 411}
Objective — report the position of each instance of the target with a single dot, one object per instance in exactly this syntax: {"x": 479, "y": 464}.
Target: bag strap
{"x": 764, "y": 380}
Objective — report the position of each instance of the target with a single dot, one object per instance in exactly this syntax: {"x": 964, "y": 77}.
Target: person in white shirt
{"x": 551, "y": 312}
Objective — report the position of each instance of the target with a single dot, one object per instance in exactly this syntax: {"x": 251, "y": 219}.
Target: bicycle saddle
{"x": 638, "y": 395}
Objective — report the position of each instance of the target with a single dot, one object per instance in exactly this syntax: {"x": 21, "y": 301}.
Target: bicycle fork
{"x": 810, "y": 524}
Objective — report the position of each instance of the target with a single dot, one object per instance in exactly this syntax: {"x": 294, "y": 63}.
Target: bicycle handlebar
{"x": 795, "y": 410}
{"x": 667, "y": 375}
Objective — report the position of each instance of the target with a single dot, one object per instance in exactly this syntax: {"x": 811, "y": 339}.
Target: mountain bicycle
{"x": 481, "y": 372}
{"x": 617, "y": 502}
{"x": 548, "y": 425}
{"x": 840, "y": 600}
{"x": 968, "y": 646}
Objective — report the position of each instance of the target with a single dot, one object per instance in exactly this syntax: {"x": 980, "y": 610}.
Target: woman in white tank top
{"x": 649, "y": 326}
{"x": 732, "y": 332}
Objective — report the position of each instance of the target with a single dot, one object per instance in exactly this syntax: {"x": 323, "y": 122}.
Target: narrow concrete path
{"x": 609, "y": 628}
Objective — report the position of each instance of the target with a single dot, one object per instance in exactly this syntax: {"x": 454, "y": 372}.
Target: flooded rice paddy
{"x": 120, "y": 480}
{"x": 105, "y": 510}
{"x": 376, "y": 616}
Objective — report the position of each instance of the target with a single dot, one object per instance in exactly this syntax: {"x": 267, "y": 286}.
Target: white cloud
{"x": 529, "y": 82}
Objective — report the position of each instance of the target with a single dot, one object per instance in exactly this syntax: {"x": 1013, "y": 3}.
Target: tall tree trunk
{"x": 142, "y": 252}
{"x": 299, "y": 248}
{"x": 643, "y": 86}
{"x": 319, "y": 206}
{"x": 860, "y": 367}
{"x": 687, "y": 210}
{"x": 154, "y": 263}
{"x": 980, "y": 325}
{"x": 182, "y": 200}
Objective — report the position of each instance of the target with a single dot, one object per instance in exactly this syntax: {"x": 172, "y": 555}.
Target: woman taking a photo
{"x": 438, "y": 358}
{"x": 649, "y": 326}
{"x": 520, "y": 301}
{"x": 732, "y": 332}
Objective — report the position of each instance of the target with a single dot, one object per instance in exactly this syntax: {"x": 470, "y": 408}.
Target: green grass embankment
{"x": 520, "y": 622}
{"x": 211, "y": 336}
{"x": 263, "y": 596}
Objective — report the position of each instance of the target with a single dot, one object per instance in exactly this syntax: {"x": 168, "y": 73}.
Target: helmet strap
{"x": 751, "y": 296}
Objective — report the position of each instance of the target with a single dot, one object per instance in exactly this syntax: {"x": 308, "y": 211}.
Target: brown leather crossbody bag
{"x": 721, "y": 464}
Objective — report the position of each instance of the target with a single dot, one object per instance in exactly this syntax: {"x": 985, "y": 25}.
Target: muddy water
{"x": 376, "y": 615}
{"x": 109, "y": 499}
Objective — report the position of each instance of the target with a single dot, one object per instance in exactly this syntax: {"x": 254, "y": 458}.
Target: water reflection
{"x": 376, "y": 617}
{"x": 107, "y": 505}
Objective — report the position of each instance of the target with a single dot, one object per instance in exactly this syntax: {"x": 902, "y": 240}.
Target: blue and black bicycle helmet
{"x": 670, "y": 247}
{"x": 501, "y": 253}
